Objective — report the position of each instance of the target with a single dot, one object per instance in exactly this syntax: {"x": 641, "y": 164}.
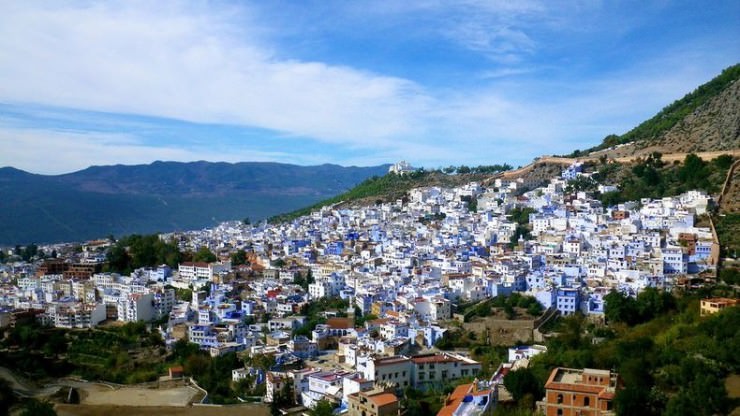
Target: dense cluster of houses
{"x": 400, "y": 265}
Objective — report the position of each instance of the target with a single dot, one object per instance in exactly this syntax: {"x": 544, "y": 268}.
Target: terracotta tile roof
{"x": 432, "y": 358}
{"x": 453, "y": 402}
{"x": 390, "y": 360}
{"x": 383, "y": 399}
{"x": 339, "y": 323}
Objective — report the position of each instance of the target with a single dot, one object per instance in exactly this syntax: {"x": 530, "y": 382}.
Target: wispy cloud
{"x": 432, "y": 81}
{"x": 194, "y": 65}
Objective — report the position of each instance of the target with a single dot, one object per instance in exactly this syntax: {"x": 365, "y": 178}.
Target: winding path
{"x": 566, "y": 161}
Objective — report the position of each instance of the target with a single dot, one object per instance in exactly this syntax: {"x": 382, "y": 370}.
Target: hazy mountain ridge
{"x": 161, "y": 196}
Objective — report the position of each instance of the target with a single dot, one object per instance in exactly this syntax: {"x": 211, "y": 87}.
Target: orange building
{"x": 373, "y": 403}
{"x": 468, "y": 400}
{"x": 714, "y": 305}
{"x": 587, "y": 392}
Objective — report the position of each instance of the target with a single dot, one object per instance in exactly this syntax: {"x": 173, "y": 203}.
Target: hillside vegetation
{"x": 653, "y": 178}
{"x": 672, "y": 361}
{"x": 653, "y": 129}
{"x": 391, "y": 187}
{"x": 159, "y": 197}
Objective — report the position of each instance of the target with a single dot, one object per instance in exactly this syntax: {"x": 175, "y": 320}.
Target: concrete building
{"x": 571, "y": 392}
{"x": 393, "y": 370}
{"x": 75, "y": 315}
{"x": 713, "y": 305}
{"x": 373, "y": 403}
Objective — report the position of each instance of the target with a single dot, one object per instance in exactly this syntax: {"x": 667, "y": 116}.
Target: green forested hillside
{"x": 673, "y": 113}
{"x": 160, "y": 197}
{"x": 391, "y": 186}
{"x": 653, "y": 178}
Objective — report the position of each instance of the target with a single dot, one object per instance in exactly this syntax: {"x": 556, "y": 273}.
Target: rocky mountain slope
{"x": 707, "y": 119}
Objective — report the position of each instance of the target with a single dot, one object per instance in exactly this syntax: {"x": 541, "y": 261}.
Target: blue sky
{"x": 347, "y": 82}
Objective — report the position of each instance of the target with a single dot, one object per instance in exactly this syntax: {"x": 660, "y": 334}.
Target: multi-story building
{"x": 438, "y": 368}
{"x": 714, "y": 305}
{"x": 302, "y": 347}
{"x": 568, "y": 301}
{"x": 586, "y": 392}
{"x": 75, "y": 315}
{"x": 136, "y": 307}
{"x": 191, "y": 271}
{"x": 373, "y": 403}
{"x": 324, "y": 386}
{"x": 391, "y": 370}
{"x": 674, "y": 261}
{"x": 275, "y": 382}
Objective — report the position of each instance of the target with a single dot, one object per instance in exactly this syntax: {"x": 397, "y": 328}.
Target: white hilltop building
{"x": 401, "y": 168}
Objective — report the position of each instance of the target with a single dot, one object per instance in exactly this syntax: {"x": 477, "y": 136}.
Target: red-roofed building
{"x": 466, "y": 399}
{"x": 587, "y": 392}
{"x": 373, "y": 403}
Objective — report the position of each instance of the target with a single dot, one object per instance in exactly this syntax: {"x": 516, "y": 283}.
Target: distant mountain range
{"x": 167, "y": 196}
{"x": 162, "y": 196}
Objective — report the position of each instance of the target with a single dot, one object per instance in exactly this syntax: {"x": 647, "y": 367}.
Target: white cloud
{"x": 195, "y": 62}
{"x": 195, "y": 65}
{"x": 55, "y": 152}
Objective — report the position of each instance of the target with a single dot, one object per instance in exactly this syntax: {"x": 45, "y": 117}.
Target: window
{"x": 560, "y": 412}
{"x": 559, "y": 399}
{"x": 587, "y": 401}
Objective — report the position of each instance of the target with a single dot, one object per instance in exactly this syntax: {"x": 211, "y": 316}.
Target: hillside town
{"x": 401, "y": 272}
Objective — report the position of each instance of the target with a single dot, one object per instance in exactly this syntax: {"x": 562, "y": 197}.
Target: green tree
{"x": 581, "y": 183}
{"x": 522, "y": 382}
{"x": 29, "y": 252}
{"x": 7, "y": 398}
{"x": 620, "y": 308}
{"x": 33, "y": 407}
{"x": 730, "y": 276}
{"x": 631, "y": 401}
{"x": 723, "y": 162}
{"x": 239, "y": 257}
{"x": 197, "y": 365}
{"x": 204, "y": 254}
{"x": 473, "y": 205}
{"x": 118, "y": 258}
{"x": 135, "y": 251}
{"x": 322, "y": 408}
{"x": 702, "y": 391}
